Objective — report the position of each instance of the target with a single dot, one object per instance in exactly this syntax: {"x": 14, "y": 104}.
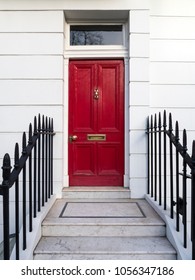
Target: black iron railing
{"x": 166, "y": 184}
{"x": 31, "y": 178}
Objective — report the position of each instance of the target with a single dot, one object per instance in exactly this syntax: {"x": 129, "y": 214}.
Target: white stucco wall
{"x": 31, "y": 79}
{"x": 172, "y": 65}
{"x": 138, "y": 99}
{"x": 31, "y": 75}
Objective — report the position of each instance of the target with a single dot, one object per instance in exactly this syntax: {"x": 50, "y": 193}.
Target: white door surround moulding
{"x": 96, "y": 52}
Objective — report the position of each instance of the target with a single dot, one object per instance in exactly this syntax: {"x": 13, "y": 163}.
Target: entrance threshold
{"x": 95, "y": 192}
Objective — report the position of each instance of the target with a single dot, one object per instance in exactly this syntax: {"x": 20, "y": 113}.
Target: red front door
{"x": 96, "y": 123}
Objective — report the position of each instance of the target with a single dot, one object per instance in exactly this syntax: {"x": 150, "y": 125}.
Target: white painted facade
{"x": 159, "y": 60}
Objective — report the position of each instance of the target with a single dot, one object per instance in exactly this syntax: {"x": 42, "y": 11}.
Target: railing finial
{"x": 52, "y": 125}
{"x": 164, "y": 119}
{"x": 39, "y": 123}
{"x": 177, "y": 131}
{"x": 16, "y": 156}
{"x": 35, "y": 125}
{"x": 155, "y": 121}
{"x": 170, "y": 123}
{"x": 43, "y": 123}
{"x": 24, "y": 143}
{"x": 30, "y": 134}
{"x": 151, "y": 122}
{"x": 159, "y": 120}
{"x": 147, "y": 125}
{"x": 6, "y": 169}
{"x": 184, "y": 140}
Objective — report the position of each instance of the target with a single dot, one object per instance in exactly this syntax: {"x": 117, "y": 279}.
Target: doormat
{"x": 102, "y": 210}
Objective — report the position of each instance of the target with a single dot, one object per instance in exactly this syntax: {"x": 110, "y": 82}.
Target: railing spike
{"x": 52, "y": 124}
{"x": 35, "y": 125}
{"x": 6, "y": 168}
{"x": 155, "y": 121}
{"x": 184, "y": 140}
{"x": 30, "y": 134}
{"x": 147, "y": 125}
{"x": 24, "y": 143}
{"x": 46, "y": 123}
{"x": 39, "y": 122}
{"x": 151, "y": 122}
{"x": 16, "y": 156}
{"x": 159, "y": 120}
{"x": 170, "y": 123}
{"x": 43, "y": 123}
{"x": 177, "y": 131}
{"x": 164, "y": 119}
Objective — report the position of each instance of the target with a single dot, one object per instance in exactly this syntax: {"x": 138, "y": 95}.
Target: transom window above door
{"x": 82, "y": 35}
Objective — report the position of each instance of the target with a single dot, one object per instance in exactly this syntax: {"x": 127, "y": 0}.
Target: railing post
{"x": 49, "y": 156}
{"x": 151, "y": 159}
{"x": 165, "y": 159}
{"x": 17, "y": 218}
{"x": 24, "y": 192}
{"x": 51, "y": 176}
{"x": 159, "y": 162}
{"x": 184, "y": 188}
{"x": 46, "y": 159}
{"x": 177, "y": 175}
{"x": 193, "y": 202}
{"x": 35, "y": 171}
{"x": 5, "y": 187}
{"x": 30, "y": 180}
{"x": 155, "y": 157}
{"x": 148, "y": 145}
{"x": 171, "y": 167}
{"x": 43, "y": 160}
{"x": 39, "y": 162}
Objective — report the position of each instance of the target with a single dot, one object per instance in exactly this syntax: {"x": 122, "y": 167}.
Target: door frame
{"x": 104, "y": 54}
{"x": 126, "y": 120}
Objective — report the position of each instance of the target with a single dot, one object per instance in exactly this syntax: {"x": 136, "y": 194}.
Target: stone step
{"x": 95, "y": 193}
{"x": 94, "y": 223}
{"x": 102, "y": 230}
{"x": 102, "y": 248}
{"x": 102, "y": 218}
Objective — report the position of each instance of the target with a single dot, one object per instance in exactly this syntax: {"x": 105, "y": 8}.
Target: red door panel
{"x": 83, "y": 151}
{"x": 96, "y": 123}
{"x": 108, "y": 155}
{"x": 109, "y": 98}
{"x": 81, "y": 101}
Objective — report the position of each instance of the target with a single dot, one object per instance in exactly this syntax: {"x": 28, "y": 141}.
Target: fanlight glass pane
{"x": 81, "y": 35}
